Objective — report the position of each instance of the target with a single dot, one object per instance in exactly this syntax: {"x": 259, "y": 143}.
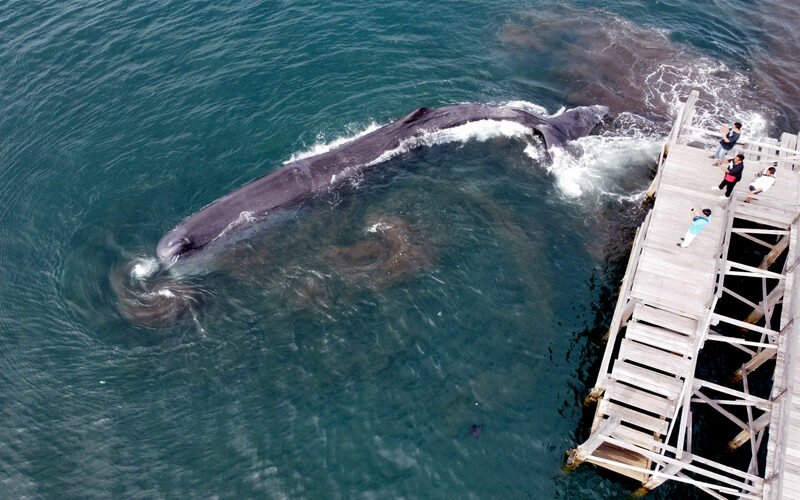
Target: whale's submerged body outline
{"x": 290, "y": 184}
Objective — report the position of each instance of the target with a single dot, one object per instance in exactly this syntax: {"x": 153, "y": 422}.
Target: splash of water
{"x": 144, "y": 268}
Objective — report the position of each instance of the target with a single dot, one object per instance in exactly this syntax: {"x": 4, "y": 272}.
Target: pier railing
{"x": 679, "y": 128}
{"x": 768, "y": 152}
{"x": 623, "y": 308}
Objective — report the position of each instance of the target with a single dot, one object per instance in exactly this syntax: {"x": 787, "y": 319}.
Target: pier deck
{"x": 666, "y": 314}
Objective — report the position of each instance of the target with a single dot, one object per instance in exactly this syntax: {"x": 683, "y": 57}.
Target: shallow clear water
{"x": 308, "y": 364}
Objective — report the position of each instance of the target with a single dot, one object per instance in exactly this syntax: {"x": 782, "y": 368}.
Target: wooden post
{"x": 777, "y": 250}
{"x": 670, "y": 470}
{"x": 772, "y": 298}
{"x": 759, "y": 424}
{"x": 651, "y": 191}
{"x": 756, "y": 361}
{"x": 594, "y": 396}
{"x": 578, "y": 455}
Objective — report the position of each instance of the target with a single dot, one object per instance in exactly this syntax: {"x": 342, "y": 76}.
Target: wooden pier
{"x": 667, "y": 313}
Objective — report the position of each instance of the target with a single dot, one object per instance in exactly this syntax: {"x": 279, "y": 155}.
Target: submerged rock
{"x": 476, "y": 431}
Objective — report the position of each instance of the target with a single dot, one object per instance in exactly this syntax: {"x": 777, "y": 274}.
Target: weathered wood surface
{"x": 783, "y": 449}
{"x": 671, "y": 291}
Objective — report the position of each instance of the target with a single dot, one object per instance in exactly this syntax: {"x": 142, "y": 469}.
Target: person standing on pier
{"x": 699, "y": 221}
{"x": 729, "y": 138}
{"x": 763, "y": 181}
{"x": 733, "y": 174}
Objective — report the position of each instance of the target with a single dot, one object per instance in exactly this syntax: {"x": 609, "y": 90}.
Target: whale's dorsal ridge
{"x": 416, "y": 115}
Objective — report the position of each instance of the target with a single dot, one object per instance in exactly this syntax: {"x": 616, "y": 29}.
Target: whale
{"x": 292, "y": 183}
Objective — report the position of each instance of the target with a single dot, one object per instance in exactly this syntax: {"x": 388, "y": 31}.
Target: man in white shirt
{"x": 764, "y": 181}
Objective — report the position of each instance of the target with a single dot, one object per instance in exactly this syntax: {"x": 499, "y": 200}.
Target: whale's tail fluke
{"x": 572, "y": 124}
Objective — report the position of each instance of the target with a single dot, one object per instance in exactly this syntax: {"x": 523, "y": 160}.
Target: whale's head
{"x": 174, "y": 244}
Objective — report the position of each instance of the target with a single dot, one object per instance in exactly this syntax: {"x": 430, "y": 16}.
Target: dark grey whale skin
{"x": 294, "y": 182}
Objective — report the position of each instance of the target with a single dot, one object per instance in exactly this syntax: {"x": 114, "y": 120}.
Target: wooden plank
{"x": 660, "y": 338}
{"x": 646, "y": 440}
{"x": 759, "y": 272}
{"x": 751, "y": 151}
{"x": 748, "y": 482}
{"x": 742, "y": 324}
{"x": 636, "y": 418}
{"x": 767, "y": 152}
{"x": 648, "y": 380}
{"x": 664, "y": 319}
{"x": 673, "y": 291}
{"x": 753, "y": 239}
{"x": 616, "y": 454}
{"x": 669, "y": 262}
{"x": 654, "y": 358}
{"x": 675, "y": 277}
{"x": 739, "y": 230}
{"x": 798, "y": 144}
{"x": 651, "y": 296}
{"x": 765, "y": 215}
{"x": 641, "y": 399}
{"x": 788, "y": 141}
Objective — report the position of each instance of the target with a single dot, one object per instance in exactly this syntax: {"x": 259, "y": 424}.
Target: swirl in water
{"x": 148, "y": 296}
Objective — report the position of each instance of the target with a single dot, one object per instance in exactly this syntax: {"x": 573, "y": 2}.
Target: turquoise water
{"x": 301, "y": 367}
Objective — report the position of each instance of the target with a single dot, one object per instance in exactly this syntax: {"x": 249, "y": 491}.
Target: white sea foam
{"x": 725, "y": 94}
{"x": 597, "y": 163}
{"x": 590, "y": 164}
{"x": 245, "y": 217}
{"x": 323, "y": 147}
{"x": 144, "y": 268}
{"x": 378, "y": 226}
{"x": 480, "y": 130}
{"x": 529, "y": 107}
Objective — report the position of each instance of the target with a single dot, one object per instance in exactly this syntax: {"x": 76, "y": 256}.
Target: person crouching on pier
{"x": 763, "y": 181}
{"x": 699, "y": 221}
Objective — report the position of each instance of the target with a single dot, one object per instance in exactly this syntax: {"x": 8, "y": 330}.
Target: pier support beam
{"x": 759, "y": 425}
{"x": 670, "y": 470}
{"x": 756, "y": 361}
{"x": 578, "y": 455}
{"x": 776, "y": 252}
{"x": 767, "y": 304}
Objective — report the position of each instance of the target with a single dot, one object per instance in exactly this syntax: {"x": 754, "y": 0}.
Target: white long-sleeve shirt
{"x": 763, "y": 183}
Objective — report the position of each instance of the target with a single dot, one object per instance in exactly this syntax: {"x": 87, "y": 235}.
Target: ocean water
{"x": 347, "y": 349}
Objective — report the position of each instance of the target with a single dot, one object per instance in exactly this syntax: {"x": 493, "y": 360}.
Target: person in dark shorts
{"x": 763, "y": 181}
